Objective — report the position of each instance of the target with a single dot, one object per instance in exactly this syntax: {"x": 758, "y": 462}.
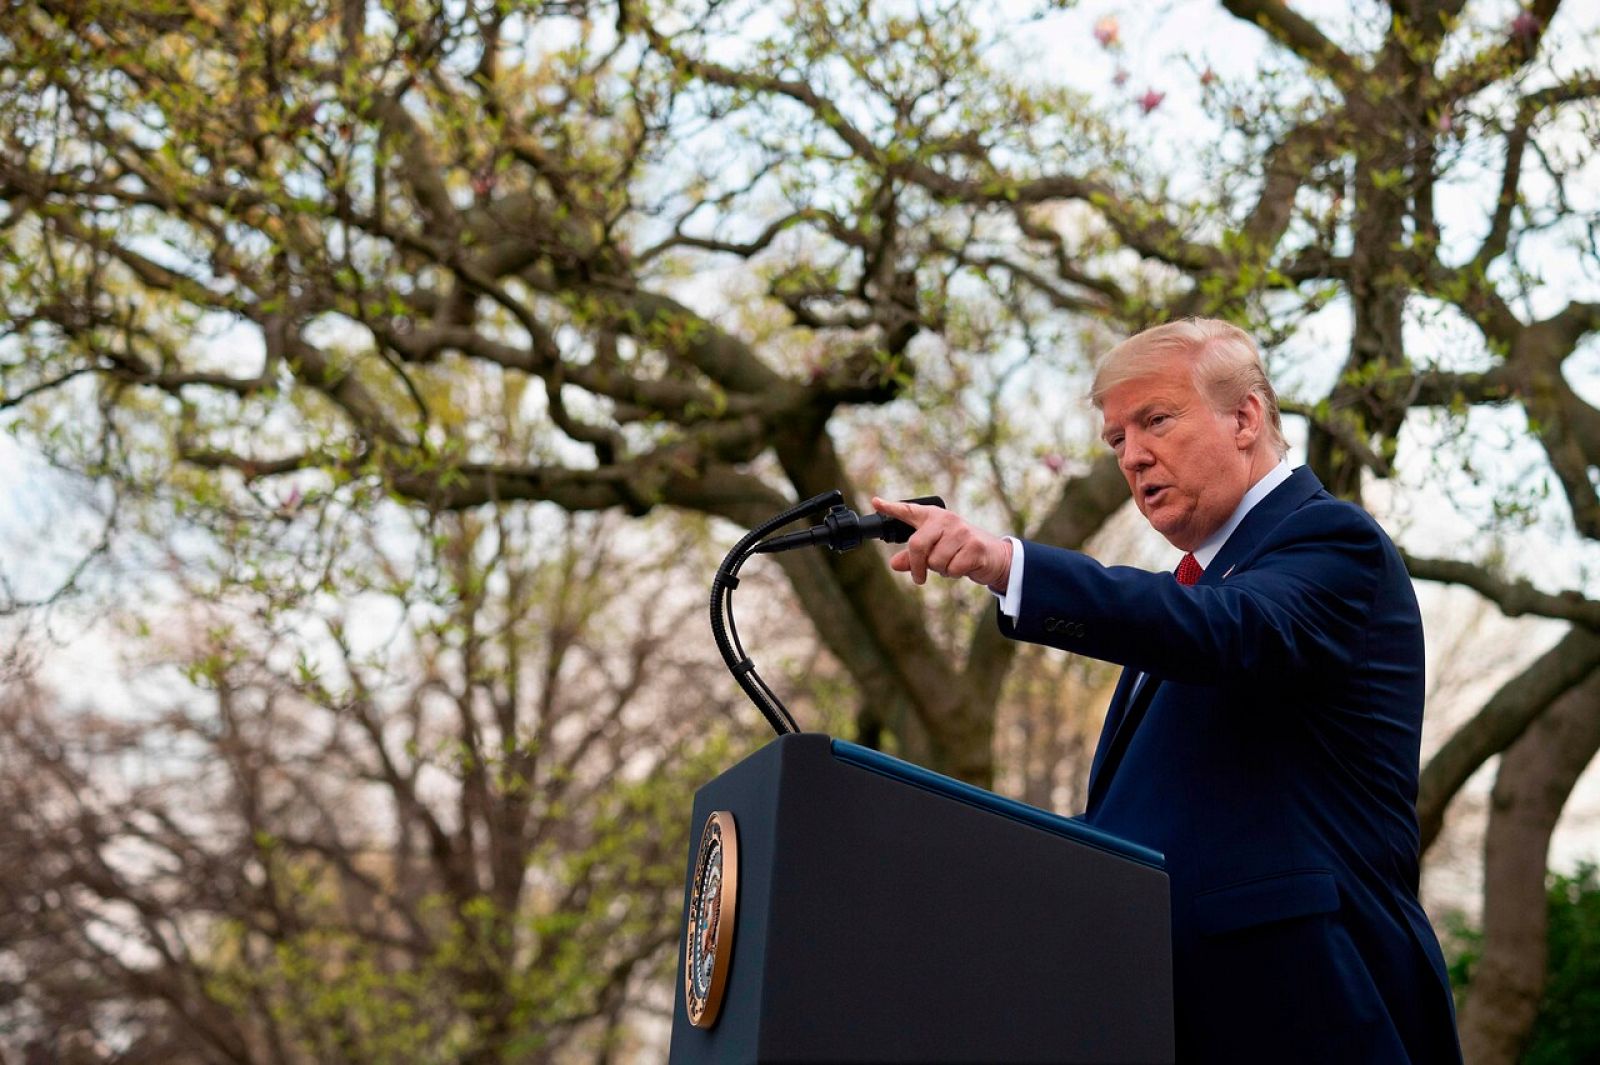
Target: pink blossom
{"x": 1151, "y": 100}
{"x": 1526, "y": 26}
{"x": 1106, "y": 31}
{"x": 1053, "y": 462}
{"x": 1446, "y": 122}
{"x": 1208, "y": 76}
{"x": 1120, "y": 78}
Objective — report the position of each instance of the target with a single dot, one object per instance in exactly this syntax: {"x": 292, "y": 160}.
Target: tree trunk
{"x": 1536, "y": 776}
{"x": 1508, "y": 713}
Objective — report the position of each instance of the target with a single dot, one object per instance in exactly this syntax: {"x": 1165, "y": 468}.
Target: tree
{"x": 460, "y": 840}
{"x": 717, "y": 257}
{"x": 393, "y": 201}
{"x": 1566, "y": 1028}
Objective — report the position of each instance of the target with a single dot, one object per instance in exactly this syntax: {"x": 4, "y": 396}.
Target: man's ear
{"x": 1249, "y": 419}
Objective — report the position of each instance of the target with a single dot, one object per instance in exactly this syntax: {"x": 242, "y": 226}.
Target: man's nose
{"x": 1135, "y": 456}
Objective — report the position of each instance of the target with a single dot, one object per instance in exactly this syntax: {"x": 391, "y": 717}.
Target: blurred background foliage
{"x": 1568, "y": 1026}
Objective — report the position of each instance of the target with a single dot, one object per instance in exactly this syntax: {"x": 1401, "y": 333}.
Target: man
{"x": 1264, "y": 735}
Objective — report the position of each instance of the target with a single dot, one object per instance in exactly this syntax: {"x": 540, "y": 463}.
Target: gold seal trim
{"x": 720, "y": 837}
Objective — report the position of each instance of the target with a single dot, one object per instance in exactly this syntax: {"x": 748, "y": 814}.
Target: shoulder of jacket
{"x": 1328, "y": 517}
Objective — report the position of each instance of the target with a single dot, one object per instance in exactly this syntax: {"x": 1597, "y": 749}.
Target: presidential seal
{"x": 708, "y": 937}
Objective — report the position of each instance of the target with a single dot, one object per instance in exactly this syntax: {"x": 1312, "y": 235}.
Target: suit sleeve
{"x": 1299, "y": 606}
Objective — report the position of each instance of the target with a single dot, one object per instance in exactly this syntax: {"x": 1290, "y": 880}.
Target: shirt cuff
{"x": 1011, "y": 601}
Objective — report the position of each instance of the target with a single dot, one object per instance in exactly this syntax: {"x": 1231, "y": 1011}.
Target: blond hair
{"x": 1222, "y": 357}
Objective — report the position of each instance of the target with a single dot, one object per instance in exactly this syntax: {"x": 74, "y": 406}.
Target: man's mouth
{"x": 1149, "y": 492}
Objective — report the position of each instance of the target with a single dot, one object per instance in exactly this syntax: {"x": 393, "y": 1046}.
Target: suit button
{"x": 1065, "y": 627}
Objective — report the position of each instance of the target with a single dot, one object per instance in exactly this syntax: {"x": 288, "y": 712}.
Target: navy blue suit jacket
{"x": 1271, "y": 755}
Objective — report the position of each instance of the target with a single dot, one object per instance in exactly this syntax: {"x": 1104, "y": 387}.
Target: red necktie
{"x": 1188, "y": 571}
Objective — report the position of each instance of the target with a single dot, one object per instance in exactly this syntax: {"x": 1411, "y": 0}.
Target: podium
{"x": 879, "y": 912}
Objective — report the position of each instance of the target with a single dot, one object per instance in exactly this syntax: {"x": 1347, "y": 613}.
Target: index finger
{"x": 913, "y": 514}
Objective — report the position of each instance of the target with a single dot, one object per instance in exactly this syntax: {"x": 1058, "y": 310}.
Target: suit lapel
{"x": 1125, "y": 715}
{"x": 1119, "y": 730}
{"x": 1114, "y": 716}
{"x": 1240, "y": 549}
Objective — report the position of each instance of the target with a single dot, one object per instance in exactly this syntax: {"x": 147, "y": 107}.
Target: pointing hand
{"x": 946, "y": 544}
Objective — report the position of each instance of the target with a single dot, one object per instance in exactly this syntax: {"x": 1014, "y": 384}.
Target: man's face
{"x": 1187, "y": 466}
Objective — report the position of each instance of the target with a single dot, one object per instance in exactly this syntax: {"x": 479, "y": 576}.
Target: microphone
{"x": 844, "y": 530}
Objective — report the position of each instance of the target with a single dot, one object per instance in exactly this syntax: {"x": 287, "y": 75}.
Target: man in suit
{"x": 1265, "y": 732}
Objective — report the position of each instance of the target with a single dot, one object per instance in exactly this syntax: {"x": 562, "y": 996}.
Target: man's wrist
{"x": 999, "y": 585}
{"x": 1009, "y": 588}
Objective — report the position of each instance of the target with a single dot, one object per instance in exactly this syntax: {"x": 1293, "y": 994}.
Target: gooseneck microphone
{"x": 841, "y": 530}
{"x": 845, "y": 530}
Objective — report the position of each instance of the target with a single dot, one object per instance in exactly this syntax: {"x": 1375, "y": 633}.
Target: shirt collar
{"x": 1207, "y": 552}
